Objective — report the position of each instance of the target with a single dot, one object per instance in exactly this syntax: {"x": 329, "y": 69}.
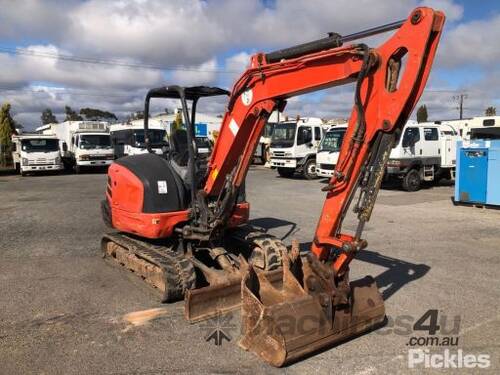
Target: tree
{"x": 490, "y": 111}
{"x": 97, "y": 114}
{"x": 422, "y": 114}
{"x": 7, "y": 128}
{"x": 48, "y": 117}
{"x": 71, "y": 115}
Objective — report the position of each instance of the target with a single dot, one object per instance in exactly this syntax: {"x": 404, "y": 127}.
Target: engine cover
{"x": 145, "y": 196}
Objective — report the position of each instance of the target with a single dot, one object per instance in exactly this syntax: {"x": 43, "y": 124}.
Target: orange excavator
{"x": 181, "y": 222}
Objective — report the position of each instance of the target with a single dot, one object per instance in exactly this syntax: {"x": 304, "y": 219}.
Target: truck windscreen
{"x": 40, "y": 145}
{"x": 284, "y": 134}
{"x": 332, "y": 141}
{"x": 157, "y": 137}
{"x": 488, "y": 133}
{"x": 89, "y": 141}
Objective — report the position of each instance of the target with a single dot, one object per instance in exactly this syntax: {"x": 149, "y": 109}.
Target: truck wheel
{"x": 286, "y": 172}
{"x": 411, "y": 181}
{"x": 18, "y": 168}
{"x": 310, "y": 170}
{"x": 78, "y": 169}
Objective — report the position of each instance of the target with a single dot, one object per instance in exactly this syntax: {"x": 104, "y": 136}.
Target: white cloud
{"x": 168, "y": 33}
{"x": 452, "y": 10}
{"x": 203, "y": 74}
{"x": 24, "y": 68}
{"x": 474, "y": 42}
{"x": 195, "y": 34}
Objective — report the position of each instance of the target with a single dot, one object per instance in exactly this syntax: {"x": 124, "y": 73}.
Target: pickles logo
{"x": 447, "y": 359}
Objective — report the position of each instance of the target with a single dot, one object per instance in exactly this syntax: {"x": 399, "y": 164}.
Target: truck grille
{"x": 41, "y": 161}
{"x": 100, "y": 157}
{"x": 279, "y": 153}
{"x": 328, "y": 167}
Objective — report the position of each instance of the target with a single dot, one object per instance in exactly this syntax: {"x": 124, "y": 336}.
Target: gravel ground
{"x": 63, "y": 308}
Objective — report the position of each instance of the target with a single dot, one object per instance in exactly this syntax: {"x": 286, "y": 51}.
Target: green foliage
{"x": 97, "y": 114}
{"x": 48, "y": 117}
{"x": 178, "y": 124}
{"x": 7, "y": 128}
{"x": 422, "y": 114}
{"x": 490, "y": 111}
{"x": 71, "y": 115}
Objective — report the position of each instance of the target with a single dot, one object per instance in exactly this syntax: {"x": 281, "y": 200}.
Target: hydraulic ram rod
{"x": 372, "y": 31}
{"x": 333, "y": 40}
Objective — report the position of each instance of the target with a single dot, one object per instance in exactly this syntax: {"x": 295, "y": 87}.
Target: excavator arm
{"x": 389, "y": 82}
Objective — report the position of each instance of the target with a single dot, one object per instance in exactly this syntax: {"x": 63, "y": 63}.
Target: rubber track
{"x": 178, "y": 271}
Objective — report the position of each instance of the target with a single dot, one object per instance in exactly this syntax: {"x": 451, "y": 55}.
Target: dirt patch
{"x": 140, "y": 318}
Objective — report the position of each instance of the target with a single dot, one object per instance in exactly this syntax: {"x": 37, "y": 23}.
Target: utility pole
{"x": 460, "y": 99}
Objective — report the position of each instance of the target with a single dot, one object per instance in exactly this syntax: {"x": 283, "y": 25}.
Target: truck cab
{"x": 329, "y": 149}
{"x": 128, "y": 138}
{"x": 90, "y": 150}
{"x": 294, "y": 145}
{"x": 424, "y": 152}
{"x": 36, "y": 153}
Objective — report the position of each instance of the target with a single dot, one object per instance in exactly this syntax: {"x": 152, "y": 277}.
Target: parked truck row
{"x": 85, "y": 145}
{"x": 425, "y": 152}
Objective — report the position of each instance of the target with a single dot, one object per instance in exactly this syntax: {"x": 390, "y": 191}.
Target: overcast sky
{"x": 192, "y": 42}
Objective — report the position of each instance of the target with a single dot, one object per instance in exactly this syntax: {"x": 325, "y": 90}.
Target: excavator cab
{"x": 183, "y": 152}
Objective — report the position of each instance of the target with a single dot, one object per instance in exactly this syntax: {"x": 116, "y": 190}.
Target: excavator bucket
{"x": 311, "y": 310}
{"x": 222, "y": 297}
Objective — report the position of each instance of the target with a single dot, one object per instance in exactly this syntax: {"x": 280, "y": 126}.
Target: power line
{"x": 64, "y": 91}
{"x": 109, "y": 62}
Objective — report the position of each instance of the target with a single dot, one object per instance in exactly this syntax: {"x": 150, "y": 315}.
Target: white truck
{"x": 329, "y": 149}
{"x": 128, "y": 138}
{"x": 84, "y": 144}
{"x": 480, "y": 127}
{"x": 33, "y": 153}
{"x": 424, "y": 152}
{"x": 294, "y": 145}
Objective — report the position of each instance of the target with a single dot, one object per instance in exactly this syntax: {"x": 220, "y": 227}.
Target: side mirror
{"x": 64, "y": 147}
{"x": 14, "y": 147}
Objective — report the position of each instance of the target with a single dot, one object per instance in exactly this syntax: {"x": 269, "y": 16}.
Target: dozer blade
{"x": 220, "y": 298}
{"x": 312, "y": 310}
